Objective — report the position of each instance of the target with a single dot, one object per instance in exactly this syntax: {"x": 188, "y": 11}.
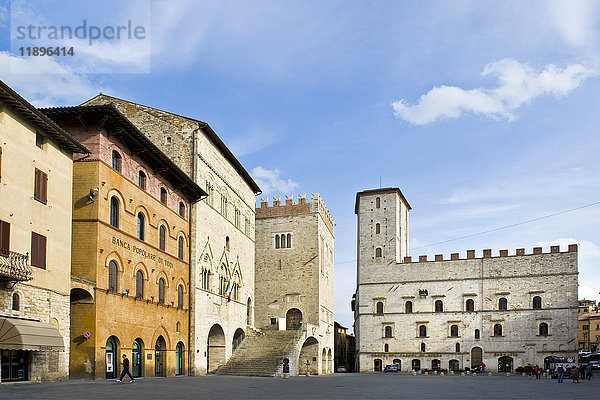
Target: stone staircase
{"x": 261, "y": 353}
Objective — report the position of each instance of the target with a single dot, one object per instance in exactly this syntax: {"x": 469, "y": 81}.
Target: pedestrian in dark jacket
{"x": 125, "y": 364}
{"x": 575, "y": 374}
{"x": 588, "y": 372}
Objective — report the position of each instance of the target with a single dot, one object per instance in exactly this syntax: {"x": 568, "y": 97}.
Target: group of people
{"x": 583, "y": 373}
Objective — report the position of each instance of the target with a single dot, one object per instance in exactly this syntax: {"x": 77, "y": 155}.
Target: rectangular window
{"x": 4, "y": 238}
{"x": 39, "y": 140}
{"x": 38, "y": 250}
{"x": 585, "y": 327}
{"x": 40, "y": 190}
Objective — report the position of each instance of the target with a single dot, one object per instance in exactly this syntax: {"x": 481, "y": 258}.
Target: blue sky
{"x": 484, "y": 113}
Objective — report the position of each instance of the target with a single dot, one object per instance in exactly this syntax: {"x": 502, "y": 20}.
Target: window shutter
{"x": 44, "y": 187}
{"x": 42, "y": 251}
{"x": 4, "y": 238}
{"x": 0, "y": 163}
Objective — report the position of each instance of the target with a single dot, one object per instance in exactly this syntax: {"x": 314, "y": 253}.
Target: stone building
{"x": 130, "y": 275}
{"x": 452, "y": 314}
{"x": 222, "y": 233}
{"x": 294, "y": 276}
{"x": 589, "y": 326}
{"x": 36, "y": 174}
{"x": 344, "y": 349}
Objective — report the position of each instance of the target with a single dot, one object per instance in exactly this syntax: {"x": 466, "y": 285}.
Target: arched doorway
{"x": 505, "y": 364}
{"x": 377, "y": 365}
{"x": 179, "y": 358}
{"x": 308, "y": 359}
{"x": 238, "y": 338}
{"x": 453, "y": 365}
{"x": 81, "y": 295}
{"x": 416, "y": 364}
{"x": 397, "y": 362}
{"x": 476, "y": 357}
{"x": 137, "y": 358}
{"x": 249, "y": 312}
{"x": 293, "y": 319}
{"x": 329, "y": 362}
{"x": 160, "y": 349}
{"x": 324, "y": 363}
{"x": 215, "y": 348}
{"x": 112, "y": 354}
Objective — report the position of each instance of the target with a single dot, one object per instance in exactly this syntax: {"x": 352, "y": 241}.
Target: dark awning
{"x": 24, "y": 334}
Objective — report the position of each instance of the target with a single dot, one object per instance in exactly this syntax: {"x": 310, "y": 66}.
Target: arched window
{"x": 161, "y": 291}
{"x": 179, "y": 296}
{"x": 439, "y": 306}
{"x": 422, "y": 331}
{"x": 15, "y": 301}
{"x": 502, "y": 303}
{"x": 182, "y": 209}
{"x": 408, "y": 307}
{"x": 163, "y": 195}
{"x": 470, "y": 305}
{"x": 116, "y": 161}
{"x": 227, "y": 243}
{"x": 497, "y": 330}
{"x": 378, "y": 252}
{"x": 141, "y": 222}
{"x": 379, "y": 307}
{"x": 386, "y": 348}
{"x": 142, "y": 180}
{"x": 457, "y": 348}
{"x": 454, "y": 330}
{"x": 477, "y": 334}
{"x": 114, "y": 212}
{"x": 139, "y": 284}
{"x": 180, "y": 248}
{"x": 377, "y": 202}
{"x": 276, "y": 241}
{"x": 289, "y": 240}
{"x": 162, "y": 235}
{"x": 283, "y": 246}
{"x": 388, "y": 331}
{"x": 112, "y": 276}
{"x": 377, "y": 228}
{"x": 543, "y": 329}
{"x": 537, "y": 303}
{"x": 423, "y": 347}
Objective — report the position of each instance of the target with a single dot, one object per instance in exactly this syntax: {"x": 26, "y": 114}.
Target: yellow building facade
{"x": 130, "y": 256}
{"x": 36, "y": 167}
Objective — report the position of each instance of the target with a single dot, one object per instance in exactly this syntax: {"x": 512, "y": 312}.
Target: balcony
{"x": 15, "y": 268}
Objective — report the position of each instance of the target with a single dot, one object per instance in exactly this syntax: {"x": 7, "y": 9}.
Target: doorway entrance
{"x": 293, "y": 319}
{"x": 159, "y": 356}
{"x": 111, "y": 357}
{"x": 179, "y": 353}
{"x": 215, "y": 349}
{"x": 15, "y": 365}
{"x": 505, "y": 364}
{"x": 476, "y": 357}
{"x": 137, "y": 357}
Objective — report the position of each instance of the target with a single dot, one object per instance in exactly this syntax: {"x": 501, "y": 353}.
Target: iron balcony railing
{"x": 15, "y": 267}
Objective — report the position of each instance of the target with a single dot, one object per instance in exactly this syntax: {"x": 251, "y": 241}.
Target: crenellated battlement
{"x": 487, "y": 253}
{"x": 316, "y": 205}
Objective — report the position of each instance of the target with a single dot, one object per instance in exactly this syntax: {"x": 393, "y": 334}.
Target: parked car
{"x": 391, "y": 368}
{"x": 342, "y": 368}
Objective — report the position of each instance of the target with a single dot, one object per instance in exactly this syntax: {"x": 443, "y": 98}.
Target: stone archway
{"x": 476, "y": 357}
{"x": 215, "y": 351}
{"x": 160, "y": 359}
{"x": 329, "y": 362}
{"x": 238, "y": 338}
{"x": 249, "y": 316}
{"x": 309, "y": 353}
{"x": 293, "y": 319}
{"x": 505, "y": 364}
{"x": 324, "y": 363}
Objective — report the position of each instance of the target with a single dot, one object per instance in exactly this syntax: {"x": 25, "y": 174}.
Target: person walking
{"x": 560, "y": 370}
{"x": 125, "y": 364}
{"x": 575, "y": 374}
{"x": 538, "y": 371}
{"x": 482, "y": 367}
{"x": 588, "y": 372}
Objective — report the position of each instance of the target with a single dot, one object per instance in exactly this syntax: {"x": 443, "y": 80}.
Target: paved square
{"x": 339, "y": 386}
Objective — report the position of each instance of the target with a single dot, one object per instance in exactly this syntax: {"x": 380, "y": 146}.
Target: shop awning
{"x": 24, "y": 334}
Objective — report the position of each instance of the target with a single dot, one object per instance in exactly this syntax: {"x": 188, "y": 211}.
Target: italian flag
{"x": 229, "y": 290}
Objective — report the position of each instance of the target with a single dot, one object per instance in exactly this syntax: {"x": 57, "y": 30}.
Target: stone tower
{"x": 382, "y": 228}
{"x": 294, "y": 273}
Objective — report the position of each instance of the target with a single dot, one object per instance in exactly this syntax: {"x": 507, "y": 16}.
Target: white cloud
{"x": 270, "y": 182}
{"x": 575, "y": 21}
{"x": 518, "y": 84}
{"x": 44, "y": 82}
{"x": 255, "y": 139}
